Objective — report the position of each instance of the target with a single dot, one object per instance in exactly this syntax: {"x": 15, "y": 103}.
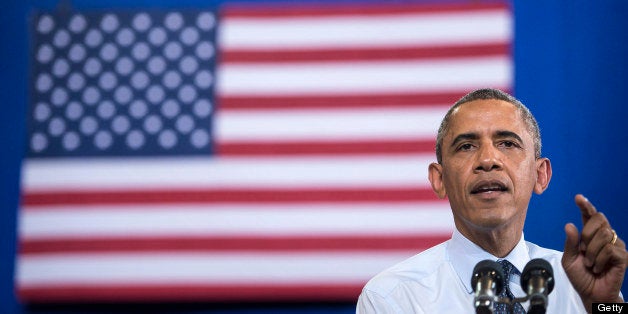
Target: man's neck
{"x": 496, "y": 241}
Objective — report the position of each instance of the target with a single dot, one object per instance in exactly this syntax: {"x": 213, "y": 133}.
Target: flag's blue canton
{"x": 122, "y": 83}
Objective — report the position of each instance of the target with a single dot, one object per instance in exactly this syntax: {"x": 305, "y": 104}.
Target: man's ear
{"x": 543, "y": 175}
{"x": 435, "y": 175}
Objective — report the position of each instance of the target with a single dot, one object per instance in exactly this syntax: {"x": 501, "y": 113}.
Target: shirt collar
{"x": 464, "y": 255}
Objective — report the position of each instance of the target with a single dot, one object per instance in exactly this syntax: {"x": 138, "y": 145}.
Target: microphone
{"x": 487, "y": 282}
{"x": 537, "y": 280}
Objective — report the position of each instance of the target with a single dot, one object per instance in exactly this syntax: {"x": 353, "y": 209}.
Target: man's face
{"x": 488, "y": 169}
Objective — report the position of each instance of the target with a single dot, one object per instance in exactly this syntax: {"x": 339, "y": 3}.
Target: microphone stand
{"x": 511, "y": 302}
{"x": 537, "y": 305}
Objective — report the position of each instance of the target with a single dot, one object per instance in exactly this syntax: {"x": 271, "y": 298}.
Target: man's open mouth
{"x": 488, "y": 186}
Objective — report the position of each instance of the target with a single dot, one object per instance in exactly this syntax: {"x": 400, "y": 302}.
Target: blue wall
{"x": 571, "y": 70}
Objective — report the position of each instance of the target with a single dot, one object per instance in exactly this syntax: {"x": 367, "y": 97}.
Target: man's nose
{"x": 488, "y": 158}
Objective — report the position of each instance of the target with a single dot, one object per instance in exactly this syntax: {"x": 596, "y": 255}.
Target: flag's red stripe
{"x": 169, "y": 196}
{"x": 358, "y": 101}
{"x": 318, "y": 10}
{"x": 258, "y": 243}
{"x": 363, "y": 54}
{"x": 191, "y": 292}
{"x": 322, "y": 148}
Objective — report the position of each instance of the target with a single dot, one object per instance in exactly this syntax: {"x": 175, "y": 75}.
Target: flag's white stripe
{"x": 203, "y": 268}
{"x": 364, "y": 77}
{"x": 129, "y": 174}
{"x": 329, "y": 125}
{"x": 235, "y": 220}
{"x": 411, "y": 29}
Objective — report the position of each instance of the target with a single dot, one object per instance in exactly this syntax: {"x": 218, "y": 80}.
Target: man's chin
{"x": 490, "y": 219}
{"x": 492, "y": 223}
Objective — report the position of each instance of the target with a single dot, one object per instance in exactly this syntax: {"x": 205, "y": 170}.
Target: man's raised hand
{"x": 596, "y": 259}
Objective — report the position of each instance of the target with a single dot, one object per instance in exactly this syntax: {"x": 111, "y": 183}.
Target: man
{"x": 489, "y": 162}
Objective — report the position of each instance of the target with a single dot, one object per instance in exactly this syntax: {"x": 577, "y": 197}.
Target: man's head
{"x": 489, "y": 93}
{"x": 489, "y": 163}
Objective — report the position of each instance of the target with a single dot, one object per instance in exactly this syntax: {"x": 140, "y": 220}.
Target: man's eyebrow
{"x": 475, "y": 136}
{"x": 464, "y": 137}
{"x": 506, "y": 134}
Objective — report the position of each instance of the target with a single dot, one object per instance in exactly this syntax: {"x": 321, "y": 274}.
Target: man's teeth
{"x": 490, "y": 189}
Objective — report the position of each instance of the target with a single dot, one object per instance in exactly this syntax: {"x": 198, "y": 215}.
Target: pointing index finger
{"x": 586, "y": 208}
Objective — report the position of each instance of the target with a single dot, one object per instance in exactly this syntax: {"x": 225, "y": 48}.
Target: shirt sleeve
{"x": 371, "y": 302}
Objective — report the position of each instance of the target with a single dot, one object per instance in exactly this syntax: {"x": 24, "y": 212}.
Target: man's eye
{"x": 509, "y": 144}
{"x": 464, "y": 147}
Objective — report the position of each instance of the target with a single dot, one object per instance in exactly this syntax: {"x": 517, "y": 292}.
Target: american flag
{"x": 251, "y": 152}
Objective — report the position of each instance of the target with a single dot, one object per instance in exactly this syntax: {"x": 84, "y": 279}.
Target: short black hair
{"x": 490, "y": 93}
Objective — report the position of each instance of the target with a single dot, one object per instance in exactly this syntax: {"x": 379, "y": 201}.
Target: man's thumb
{"x": 572, "y": 244}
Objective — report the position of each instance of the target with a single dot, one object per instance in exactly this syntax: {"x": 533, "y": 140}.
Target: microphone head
{"x": 538, "y": 267}
{"x": 491, "y": 269}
